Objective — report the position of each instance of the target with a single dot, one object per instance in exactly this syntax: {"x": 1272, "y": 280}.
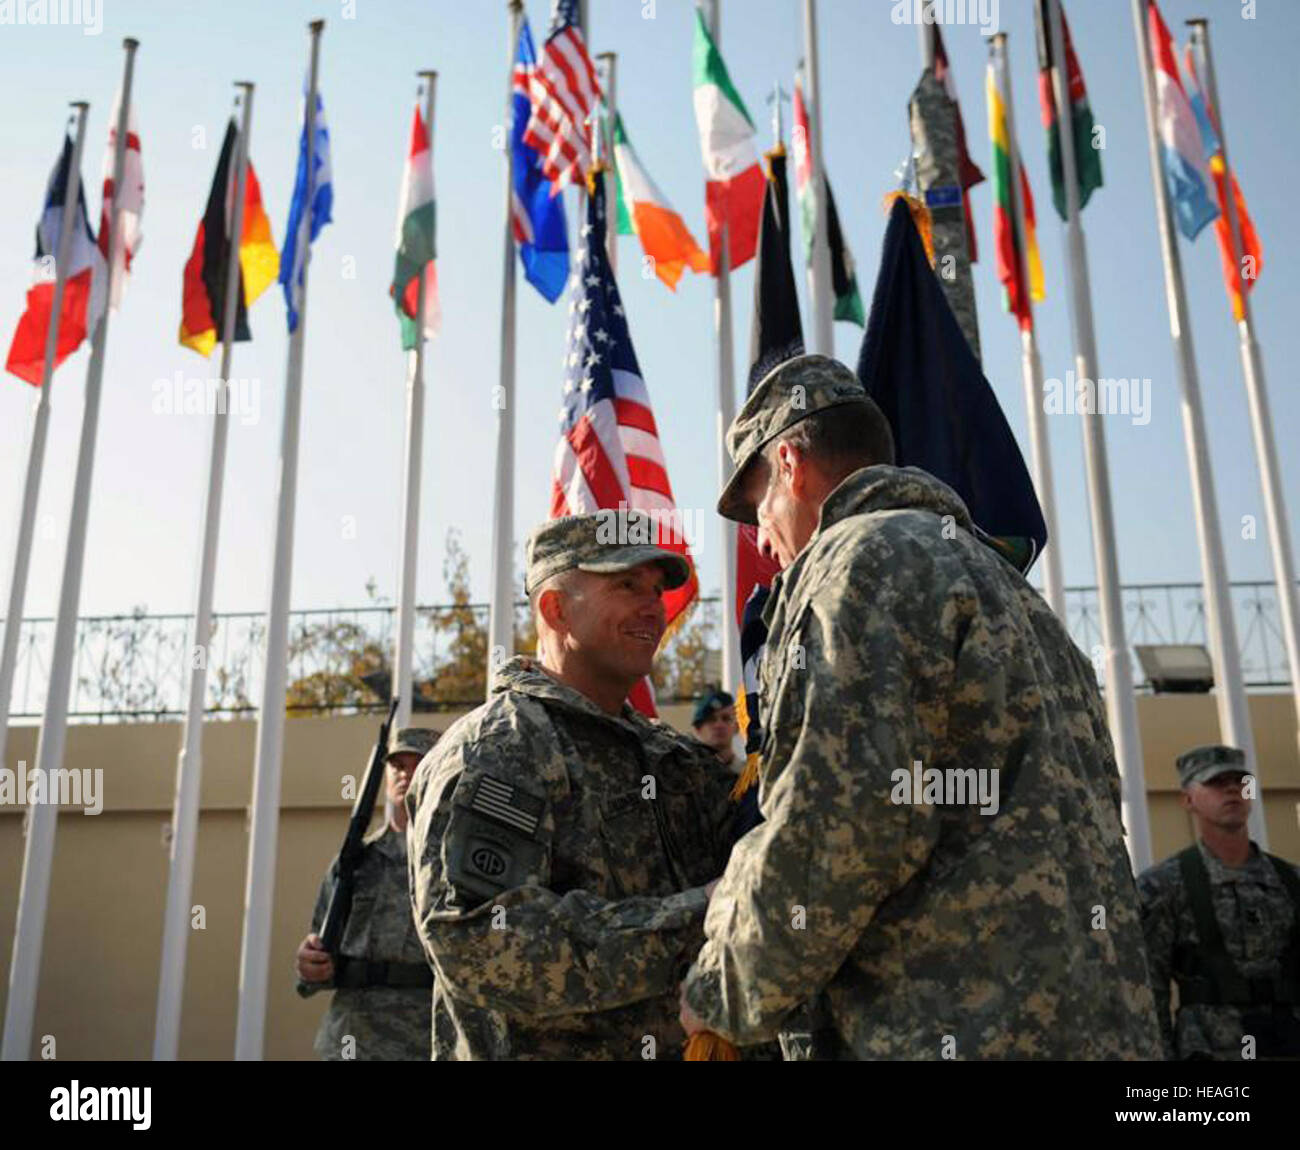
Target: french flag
{"x": 84, "y": 290}
{"x": 1186, "y": 172}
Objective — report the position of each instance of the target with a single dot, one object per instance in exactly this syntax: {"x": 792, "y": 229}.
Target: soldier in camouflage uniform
{"x": 382, "y": 992}
{"x": 560, "y": 843}
{"x": 915, "y": 926}
{"x": 1222, "y": 919}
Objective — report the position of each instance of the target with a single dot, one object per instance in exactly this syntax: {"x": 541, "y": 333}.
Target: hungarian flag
{"x": 968, "y": 171}
{"x": 1186, "y": 175}
{"x": 84, "y": 285}
{"x": 1252, "y": 254}
{"x": 644, "y": 210}
{"x": 131, "y": 205}
{"x": 416, "y": 250}
{"x": 204, "y": 281}
{"x": 1006, "y": 238}
{"x": 844, "y": 280}
{"x": 734, "y": 190}
{"x": 1087, "y": 158}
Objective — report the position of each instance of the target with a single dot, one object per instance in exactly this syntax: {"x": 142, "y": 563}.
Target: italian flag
{"x": 734, "y": 192}
{"x": 415, "y": 243}
{"x": 644, "y": 210}
{"x": 1005, "y": 239}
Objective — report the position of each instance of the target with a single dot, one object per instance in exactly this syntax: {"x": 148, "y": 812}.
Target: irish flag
{"x": 1005, "y": 237}
{"x": 415, "y": 243}
{"x": 734, "y": 192}
{"x": 645, "y": 210}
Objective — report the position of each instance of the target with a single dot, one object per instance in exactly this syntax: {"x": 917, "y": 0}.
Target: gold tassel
{"x": 595, "y": 173}
{"x": 748, "y": 777}
{"x": 920, "y": 217}
{"x": 705, "y": 1046}
{"x": 769, "y": 156}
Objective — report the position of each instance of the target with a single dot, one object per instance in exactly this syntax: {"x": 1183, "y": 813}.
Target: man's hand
{"x": 313, "y": 961}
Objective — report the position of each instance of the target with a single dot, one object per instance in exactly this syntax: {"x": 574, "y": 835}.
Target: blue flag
{"x": 537, "y": 215}
{"x": 322, "y": 201}
{"x": 917, "y": 365}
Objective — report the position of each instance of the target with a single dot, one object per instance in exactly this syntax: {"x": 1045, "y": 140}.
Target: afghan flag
{"x": 1213, "y": 147}
{"x": 84, "y": 286}
{"x": 844, "y": 280}
{"x": 644, "y": 210}
{"x": 734, "y": 189}
{"x": 1087, "y": 158}
{"x": 415, "y": 243}
{"x": 204, "y": 281}
{"x": 1006, "y": 237}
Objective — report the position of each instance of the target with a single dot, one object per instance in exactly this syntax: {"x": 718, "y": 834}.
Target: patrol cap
{"x": 411, "y": 740}
{"x": 1201, "y": 764}
{"x": 790, "y": 392}
{"x": 603, "y": 543}
{"x": 710, "y": 700}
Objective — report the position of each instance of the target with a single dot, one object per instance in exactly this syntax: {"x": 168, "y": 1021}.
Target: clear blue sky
{"x": 151, "y": 469}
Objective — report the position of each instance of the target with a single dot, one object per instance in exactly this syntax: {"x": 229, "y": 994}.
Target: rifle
{"x": 340, "y": 906}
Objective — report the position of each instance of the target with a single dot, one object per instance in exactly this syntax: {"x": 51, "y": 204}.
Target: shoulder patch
{"x": 506, "y": 804}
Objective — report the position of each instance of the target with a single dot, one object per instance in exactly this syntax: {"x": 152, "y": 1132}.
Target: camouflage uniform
{"x": 1256, "y": 920}
{"x": 389, "y": 1023}
{"x": 558, "y": 901}
{"x": 922, "y": 930}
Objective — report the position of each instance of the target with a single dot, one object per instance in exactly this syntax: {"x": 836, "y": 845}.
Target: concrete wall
{"x": 103, "y": 936}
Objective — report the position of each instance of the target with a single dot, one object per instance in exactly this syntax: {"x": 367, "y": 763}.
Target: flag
{"x": 733, "y": 193}
{"x": 664, "y": 238}
{"x": 537, "y": 215}
{"x": 968, "y": 171}
{"x": 1006, "y": 239}
{"x": 132, "y": 202}
{"x": 204, "y": 280}
{"x": 1087, "y": 157}
{"x": 321, "y": 195}
{"x": 563, "y": 90}
{"x": 84, "y": 286}
{"x": 608, "y": 454}
{"x": 844, "y": 280}
{"x": 416, "y": 247}
{"x": 916, "y": 364}
{"x": 1250, "y": 245}
{"x": 1186, "y": 175}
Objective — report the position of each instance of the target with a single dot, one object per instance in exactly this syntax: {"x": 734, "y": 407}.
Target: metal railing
{"x": 136, "y": 667}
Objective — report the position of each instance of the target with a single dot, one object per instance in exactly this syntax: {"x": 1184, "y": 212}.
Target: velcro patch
{"x": 507, "y": 805}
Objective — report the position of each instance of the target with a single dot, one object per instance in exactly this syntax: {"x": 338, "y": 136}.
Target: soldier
{"x": 1222, "y": 919}
{"x": 909, "y": 670}
{"x": 714, "y": 724}
{"x": 561, "y": 845}
{"x": 381, "y": 1007}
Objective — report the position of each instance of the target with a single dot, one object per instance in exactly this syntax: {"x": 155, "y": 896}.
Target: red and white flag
{"x": 131, "y": 206}
{"x": 563, "y": 89}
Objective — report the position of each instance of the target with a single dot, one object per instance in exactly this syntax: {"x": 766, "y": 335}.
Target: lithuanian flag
{"x": 204, "y": 283}
{"x": 1006, "y": 239}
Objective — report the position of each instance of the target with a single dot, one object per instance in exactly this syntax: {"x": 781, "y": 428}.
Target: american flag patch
{"x": 507, "y": 804}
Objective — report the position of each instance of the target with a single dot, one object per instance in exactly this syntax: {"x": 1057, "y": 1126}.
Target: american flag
{"x": 563, "y": 89}
{"x": 609, "y": 454}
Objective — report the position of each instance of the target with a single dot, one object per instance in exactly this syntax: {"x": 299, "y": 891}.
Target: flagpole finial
{"x": 1197, "y": 22}
{"x": 514, "y": 7}
{"x": 130, "y": 43}
{"x": 316, "y": 27}
{"x": 78, "y": 104}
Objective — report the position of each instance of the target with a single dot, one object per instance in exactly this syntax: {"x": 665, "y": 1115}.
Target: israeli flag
{"x": 321, "y": 195}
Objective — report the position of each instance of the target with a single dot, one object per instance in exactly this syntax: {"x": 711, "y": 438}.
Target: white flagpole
{"x": 1261, "y": 421}
{"x": 1030, "y": 364}
{"x": 33, "y": 896}
{"x": 40, "y": 428}
{"x": 1230, "y": 693}
{"x": 726, "y": 383}
{"x": 404, "y": 655}
{"x": 610, "y": 60}
{"x": 823, "y": 293}
{"x": 501, "y": 620}
{"x": 259, "y": 883}
{"x": 1121, "y": 706}
{"x": 189, "y": 765}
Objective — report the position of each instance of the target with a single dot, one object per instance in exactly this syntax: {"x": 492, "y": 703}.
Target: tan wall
{"x": 103, "y": 936}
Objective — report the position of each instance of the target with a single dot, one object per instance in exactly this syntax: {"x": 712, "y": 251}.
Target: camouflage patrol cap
{"x": 790, "y": 392}
{"x": 411, "y": 740}
{"x": 605, "y": 542}
{"x": 1201, "y": 764}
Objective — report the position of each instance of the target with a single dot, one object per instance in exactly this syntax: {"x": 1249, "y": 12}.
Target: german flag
{"x": 205, "y": 272}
